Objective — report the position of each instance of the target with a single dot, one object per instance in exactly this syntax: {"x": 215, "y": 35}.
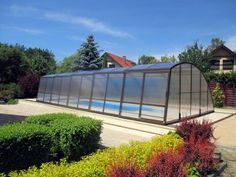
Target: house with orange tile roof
{"x": 113, "y": 61}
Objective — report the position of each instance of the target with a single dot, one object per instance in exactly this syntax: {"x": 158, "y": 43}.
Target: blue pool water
{"x": 125, "y": 107}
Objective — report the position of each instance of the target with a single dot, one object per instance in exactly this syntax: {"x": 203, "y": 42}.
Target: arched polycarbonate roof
{"x": 161, "y": 93}
{"x": 158, "y": 66}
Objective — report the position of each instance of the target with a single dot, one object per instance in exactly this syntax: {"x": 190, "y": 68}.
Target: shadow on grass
{"x": 10, "y": 118}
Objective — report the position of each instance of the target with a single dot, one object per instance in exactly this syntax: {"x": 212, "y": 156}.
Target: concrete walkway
{"x": 112, "y": 135}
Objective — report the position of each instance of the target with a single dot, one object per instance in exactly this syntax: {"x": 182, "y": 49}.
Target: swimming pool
{"x": 127, "y": 108}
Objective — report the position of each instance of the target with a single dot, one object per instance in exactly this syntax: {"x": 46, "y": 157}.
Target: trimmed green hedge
{"x": 96, "y": 164}
{"x": 228, "y": 78}
{"x": 47, "y": 137}
{"x": 23, "y": 145}
{"x": 73, "y": 136}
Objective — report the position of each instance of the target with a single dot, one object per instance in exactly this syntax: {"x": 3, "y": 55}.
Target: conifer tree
{"x": 89, "y": 58}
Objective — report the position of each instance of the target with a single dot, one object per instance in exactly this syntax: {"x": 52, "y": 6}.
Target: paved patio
{"x": 117, "y": 131}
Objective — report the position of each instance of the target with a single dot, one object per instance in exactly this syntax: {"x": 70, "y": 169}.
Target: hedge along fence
{"x": 47, "y": 137}
{"x": 98, "y": 163}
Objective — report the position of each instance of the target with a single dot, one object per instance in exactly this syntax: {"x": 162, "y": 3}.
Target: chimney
{"x": 124, "y": 58}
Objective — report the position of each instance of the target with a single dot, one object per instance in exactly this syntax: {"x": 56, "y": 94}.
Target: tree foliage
{"x": 67, "y": 63}
{"x": 144, "y": 59}
{"x": 168, "y": 59}
{"x": 11, "y": 62}
{"x": 41, "y": 61}
{"x": 215, "y": 42}
{"x": 89, "y": 58}
{"x": 23, "y": 66}
{"x": 197, "y": 55}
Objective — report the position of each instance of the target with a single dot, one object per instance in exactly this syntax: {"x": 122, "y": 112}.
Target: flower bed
{"x": 188, "y": 152}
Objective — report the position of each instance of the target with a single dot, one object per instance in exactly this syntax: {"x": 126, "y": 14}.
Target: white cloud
{"x": 92, "y": 24}
{"x": 23, "y": 29}
{"x": 21, "y": 10}
{"x": 231, "y": 42}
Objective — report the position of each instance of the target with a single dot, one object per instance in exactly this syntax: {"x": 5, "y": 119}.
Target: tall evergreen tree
{"x": 89, "y": 56}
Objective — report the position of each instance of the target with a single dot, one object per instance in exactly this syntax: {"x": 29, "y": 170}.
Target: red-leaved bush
{"x": 121, "y": 170}
{"x": 202, "y": 130}
{"x": 29, "y": 83}
{"x": 199, "y": 153}
{"x": 166, "y": 164}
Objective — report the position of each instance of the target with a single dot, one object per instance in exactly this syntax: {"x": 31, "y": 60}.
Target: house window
{"x": 228, "y": 64}
{"x": 215, "y": 64}
{"x": 111, "y": 66}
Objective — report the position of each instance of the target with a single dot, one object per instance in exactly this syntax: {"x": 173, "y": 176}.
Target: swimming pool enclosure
{"x": 162, "y": 93}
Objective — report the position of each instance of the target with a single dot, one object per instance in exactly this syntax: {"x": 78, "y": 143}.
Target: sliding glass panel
{"x": 195, "y": 91}
{"x": 56, "y": 90}
{"x": 42, "y": 87}
{"x": 74, "y": 91}
{"x": 154, "y": 96}
{"x": 174, "y": 95}
{"x": 85, "y": 92}
{"x": 203, "y": 94}
{"x": 48, "y": 91}
{"x": 210, "y": 104}
{"x": 99, "y": 90}
{"x": 65, "y": 85}
{"x": 113, "y": 96}
{"x": 132, "y": 95}
{"x": 185, "y": 90}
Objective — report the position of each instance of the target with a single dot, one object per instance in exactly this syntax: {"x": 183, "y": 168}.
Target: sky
{"x": 128, "y": 28}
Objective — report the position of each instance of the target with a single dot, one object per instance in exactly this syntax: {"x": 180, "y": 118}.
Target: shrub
{"x": 12, "y": 101}
{"x": 228, "y": 79}
{"x": 73, "y": 136}
{"x": 165, "y": 164}
{"x": 39, "y": 138}
{"x": 124, "y": 170}
{"x": 218, "y": 96}
{"x": 23, "y": 145}
{"x": 9, "y": 91}
{"x": 29, "y": 83}
{"x": 201, "y": 130}
{"x": 199, "y": 153}
{"x": 193, "y": 172}
{"x": 97, "y": 164}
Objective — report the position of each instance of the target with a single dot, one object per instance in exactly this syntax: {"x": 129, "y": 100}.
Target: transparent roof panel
{"x": 160, "y": 66}
{"x": 139, "y": 67}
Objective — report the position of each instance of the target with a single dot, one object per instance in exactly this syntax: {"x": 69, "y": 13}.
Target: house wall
{"x": 222, "y": 55}
{"x": 109, "y": 61}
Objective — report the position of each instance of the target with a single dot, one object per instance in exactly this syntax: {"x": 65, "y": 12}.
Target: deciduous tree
{"x": 197, "y": 55}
